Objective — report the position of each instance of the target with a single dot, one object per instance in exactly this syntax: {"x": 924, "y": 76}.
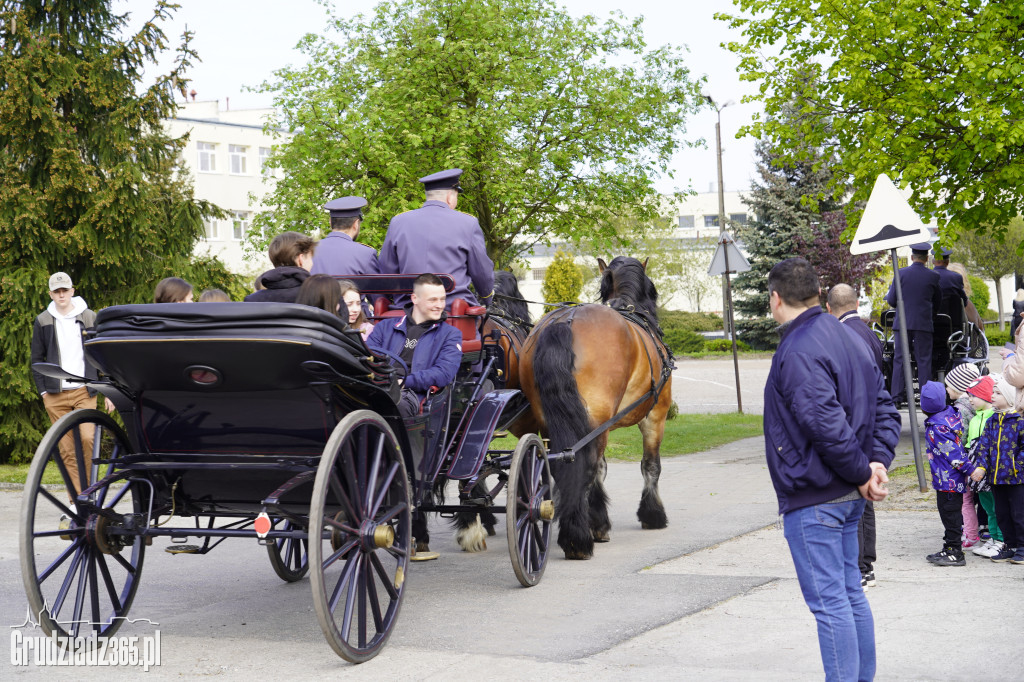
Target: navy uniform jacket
{"x": 434, "y": 238}
{"x": 922, "y": 297}
{"x": 951, "y": 284}
{"x": 337, "y": 254}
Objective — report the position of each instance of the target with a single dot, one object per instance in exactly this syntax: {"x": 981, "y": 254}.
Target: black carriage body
{"x": 954, "y": 340}
{"x": 242, "y": 395}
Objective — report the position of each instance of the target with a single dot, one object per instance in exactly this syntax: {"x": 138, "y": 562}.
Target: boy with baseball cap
{"x": 57, "y": 335}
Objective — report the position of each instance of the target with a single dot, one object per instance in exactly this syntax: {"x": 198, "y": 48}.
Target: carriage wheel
{"x": 360, "y": 536}
{"x": 80, "y": 573}
{"x": 529, "y": 510}
{"x": 289, "y": 556}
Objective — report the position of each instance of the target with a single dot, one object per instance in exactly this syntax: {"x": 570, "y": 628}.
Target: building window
{"x": 239, "y": 224}
{"x": 207, "y": 157}
{"x": 264, "y": 155}
{"x": 710, "y": 221}
{"x": 237, "y": 153}
{"x": 738, "y": 218}
{"x": 539, "y": 273}
{"x": 210, "y": 229}
{"x": 686, "y": 221}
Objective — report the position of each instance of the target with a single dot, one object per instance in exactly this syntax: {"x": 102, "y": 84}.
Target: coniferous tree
{"x": 786, "y": 204}
{"x": 89, "y": 182}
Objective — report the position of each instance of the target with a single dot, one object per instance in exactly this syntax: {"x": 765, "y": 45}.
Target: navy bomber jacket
{"x": 826, "y": 413}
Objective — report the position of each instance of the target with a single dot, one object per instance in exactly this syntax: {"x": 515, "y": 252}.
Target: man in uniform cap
{"x": 951, "y": 286}
{"x": 338, "y": 253}
{"x": 437, "y": 238}
{"x": 922, "y": 298}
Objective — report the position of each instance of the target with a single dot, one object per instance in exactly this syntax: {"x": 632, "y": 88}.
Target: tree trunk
{"x": 999, "y": 301}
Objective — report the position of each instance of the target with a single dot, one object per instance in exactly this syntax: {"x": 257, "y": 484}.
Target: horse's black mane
{"x": 626, "y": 286}
{"x": 508, "y": 303}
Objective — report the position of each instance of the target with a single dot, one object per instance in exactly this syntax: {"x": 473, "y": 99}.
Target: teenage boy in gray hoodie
{"x": 57, "y": 335}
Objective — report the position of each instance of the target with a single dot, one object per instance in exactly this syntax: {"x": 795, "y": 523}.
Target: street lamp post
{"x": 721, "y": 206}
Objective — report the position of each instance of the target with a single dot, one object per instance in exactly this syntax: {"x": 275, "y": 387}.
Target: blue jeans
{"x": 823, "y": 542}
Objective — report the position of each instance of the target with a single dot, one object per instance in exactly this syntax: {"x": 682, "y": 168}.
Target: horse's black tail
{"x": 567, "y": 423}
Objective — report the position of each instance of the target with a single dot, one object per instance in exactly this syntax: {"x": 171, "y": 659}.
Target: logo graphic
{"x": 82, "y": 650}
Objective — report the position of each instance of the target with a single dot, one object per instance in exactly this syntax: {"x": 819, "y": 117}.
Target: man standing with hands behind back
{"x": 830, "y": 431}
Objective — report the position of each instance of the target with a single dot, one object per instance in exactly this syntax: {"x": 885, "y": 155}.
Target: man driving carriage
{"x": 430, "y": 349}
{"x": 437, "y": 238}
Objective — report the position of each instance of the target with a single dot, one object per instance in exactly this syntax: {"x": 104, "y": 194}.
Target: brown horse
{"x": 582, "y": 365}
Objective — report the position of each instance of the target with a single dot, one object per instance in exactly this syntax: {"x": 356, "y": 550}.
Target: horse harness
{"x": 565, "y": 315}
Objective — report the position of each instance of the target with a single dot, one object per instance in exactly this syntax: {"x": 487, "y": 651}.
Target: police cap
{"x": 922, "y": 247}
{"x": 346, "y": 207}
{"x": 942, "y": 252}
{"x": 446, "y": 179}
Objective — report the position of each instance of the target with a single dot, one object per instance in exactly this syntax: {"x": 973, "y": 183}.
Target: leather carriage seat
{"x": 463, "y": 317}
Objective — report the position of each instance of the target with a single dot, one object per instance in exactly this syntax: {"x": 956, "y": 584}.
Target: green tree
{"x": 926, "y": 91}
{"x": 559, "y": 123}
{"x": 785, "y": 204}
{"x": 995, "y": 256}
{"x": 89, "y": 182}
{"x": 563, "y": 280}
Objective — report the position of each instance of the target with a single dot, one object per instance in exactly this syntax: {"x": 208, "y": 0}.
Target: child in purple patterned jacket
{"x": 950, "y": 467}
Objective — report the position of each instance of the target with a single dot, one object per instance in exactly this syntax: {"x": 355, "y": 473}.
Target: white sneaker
{"x": 989, "y": 549}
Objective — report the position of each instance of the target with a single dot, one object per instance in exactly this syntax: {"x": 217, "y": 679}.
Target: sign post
{"x": 889, "y": 222}
{"x": 726, "y": 253}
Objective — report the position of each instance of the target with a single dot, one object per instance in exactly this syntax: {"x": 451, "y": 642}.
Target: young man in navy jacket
{"x": 830, "y": 429}
{"x": 429, "y": 348}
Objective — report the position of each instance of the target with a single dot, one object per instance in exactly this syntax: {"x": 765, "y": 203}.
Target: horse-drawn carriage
{"x": 956, "y": 339}
{"x": 275, "y": 423}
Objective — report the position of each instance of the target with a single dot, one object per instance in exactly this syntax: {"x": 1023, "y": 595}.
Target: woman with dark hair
{"x": 291, "y": 254}
{"x": 173, "y": 290}
{"x": 353, "y": 301}
{"x": 321, "y": 291}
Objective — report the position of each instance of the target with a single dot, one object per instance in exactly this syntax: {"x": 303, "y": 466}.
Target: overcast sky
{"x": 241, "y": 43}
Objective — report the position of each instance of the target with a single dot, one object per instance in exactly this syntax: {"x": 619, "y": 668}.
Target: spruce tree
{"x": 90, "y": 183}
{"x": 787, "y": 202}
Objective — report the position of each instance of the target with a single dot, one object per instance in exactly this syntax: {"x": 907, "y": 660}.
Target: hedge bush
{"x": 979, "y": 292}
{"x": 724, "y": 346}
{"x": 684, "y": 341}
{"x": 693, "y": 322}
{"x": 995, "y": 337}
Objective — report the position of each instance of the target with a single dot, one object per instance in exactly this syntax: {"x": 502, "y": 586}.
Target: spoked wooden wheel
{"x": 360, "y": 536}
{"x": 529, "y": 510}
{"x": 80, "y": 567}
{"x": 289, "y": 556}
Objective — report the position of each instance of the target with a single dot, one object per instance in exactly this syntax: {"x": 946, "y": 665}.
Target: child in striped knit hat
{"x": 957, "y": 380}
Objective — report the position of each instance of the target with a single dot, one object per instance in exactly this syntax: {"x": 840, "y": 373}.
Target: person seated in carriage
{"x": 430, "y": 349}
{"x": 291, "y": 253}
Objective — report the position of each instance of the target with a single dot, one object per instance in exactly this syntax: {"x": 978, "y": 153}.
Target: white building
{"x": 225, "y": 153}
{"x": 696, "y": 222}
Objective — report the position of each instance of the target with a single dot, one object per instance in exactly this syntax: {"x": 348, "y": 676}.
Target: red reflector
{"x": 203, "y": 376}
{"x": 262, "y": 524}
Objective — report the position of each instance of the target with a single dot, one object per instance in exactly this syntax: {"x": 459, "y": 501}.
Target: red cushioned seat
{"x": 464, "y": 318}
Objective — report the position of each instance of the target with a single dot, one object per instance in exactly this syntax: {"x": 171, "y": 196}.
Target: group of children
{"x": 976, "y": 452}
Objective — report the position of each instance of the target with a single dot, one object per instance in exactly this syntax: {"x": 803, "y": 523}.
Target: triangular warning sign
{"x": 727, "y": 253}
{"x": 888, "y": 221}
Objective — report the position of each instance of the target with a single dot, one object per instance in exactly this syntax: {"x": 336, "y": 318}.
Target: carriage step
{"x": 424, "y": 556}
{"x": 182, "y": 549}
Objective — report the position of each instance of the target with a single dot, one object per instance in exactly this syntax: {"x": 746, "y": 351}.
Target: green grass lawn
{"x": 686, "y": 434}
{"x": 16, "y": 473}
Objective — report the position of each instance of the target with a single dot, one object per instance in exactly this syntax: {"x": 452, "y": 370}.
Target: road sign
{"x": 888, "y": 221}
{"x": 727, "y": 257}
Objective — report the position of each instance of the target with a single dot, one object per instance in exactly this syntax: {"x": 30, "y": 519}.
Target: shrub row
{"x": 692, "y": 322}
{"x": 682, "y": 341}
